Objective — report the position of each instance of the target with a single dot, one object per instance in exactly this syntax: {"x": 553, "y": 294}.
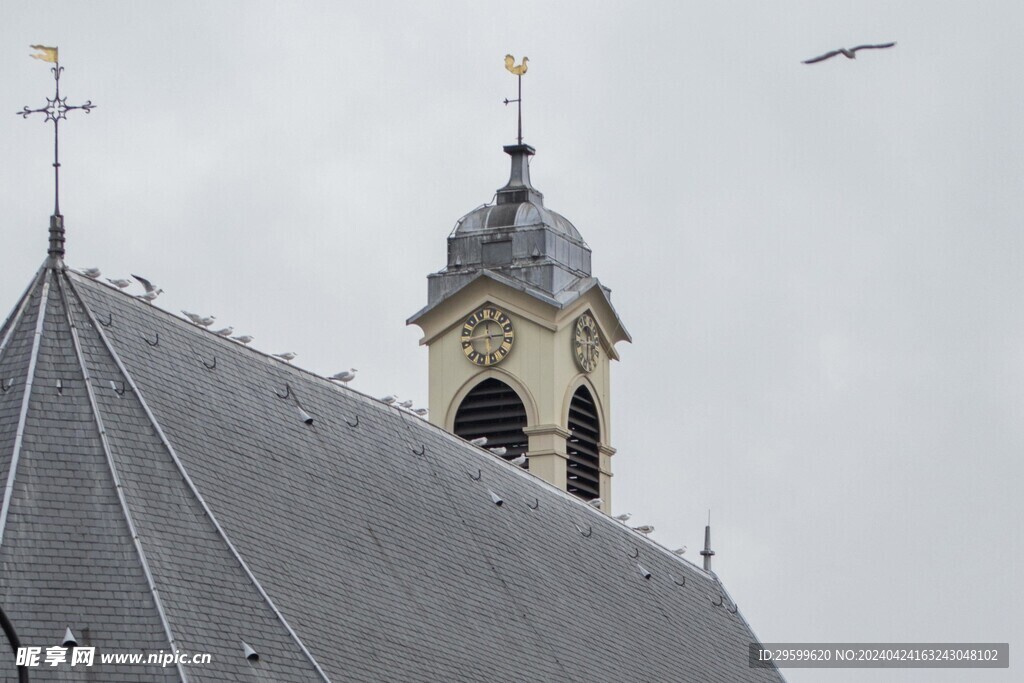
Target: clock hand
{"x": 488, "y": 336}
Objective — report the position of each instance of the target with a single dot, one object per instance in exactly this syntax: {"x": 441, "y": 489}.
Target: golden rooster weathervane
{"x": 517, "y": 71}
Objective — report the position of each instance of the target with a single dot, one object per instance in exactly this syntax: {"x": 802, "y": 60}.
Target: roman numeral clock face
{"x": 487, "y": 336}
{"x": 586, "y": 343}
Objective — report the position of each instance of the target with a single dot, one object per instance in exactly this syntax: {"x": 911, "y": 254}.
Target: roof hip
{"x": 90, "y": 392}
{"x": 26, "y": 399}
{"x": 192, "y": 487}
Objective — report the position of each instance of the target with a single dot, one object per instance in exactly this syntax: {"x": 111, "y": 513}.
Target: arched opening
{"x": 493, "y": 409}
{"x": 584, "y": 465}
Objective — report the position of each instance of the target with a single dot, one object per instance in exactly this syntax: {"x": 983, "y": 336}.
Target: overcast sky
{"x": 820, "y": 265}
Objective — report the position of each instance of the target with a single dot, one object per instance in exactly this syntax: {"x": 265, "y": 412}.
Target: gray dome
{"x": 521, "y": 215}
{"x": 514, "y": 238}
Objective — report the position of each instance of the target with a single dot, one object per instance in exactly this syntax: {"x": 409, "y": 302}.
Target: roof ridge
{"x": 186, "y": 325}
{"x": 19, "y": 309}
{"x": 26, "y": 399}
{"x": 191, "y": 484}
{"x": 113, "y": 471}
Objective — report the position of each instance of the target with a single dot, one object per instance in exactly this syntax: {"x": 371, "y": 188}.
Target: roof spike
{"x": 707, "y": 553}
{"x": 56, "y": 248}
{"x": 69, "y": 638}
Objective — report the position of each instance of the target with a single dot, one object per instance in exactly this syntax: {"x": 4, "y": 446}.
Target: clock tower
{"x": 521, "y": 336}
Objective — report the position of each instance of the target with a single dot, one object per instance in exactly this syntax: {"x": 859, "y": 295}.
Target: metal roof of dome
{"x": 525, "y": 214}
{"x": 517, "y": 205}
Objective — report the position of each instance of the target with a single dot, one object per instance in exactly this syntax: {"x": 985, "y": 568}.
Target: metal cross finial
{"x": 518, "y": 71}
{"x": 55, "y": 110}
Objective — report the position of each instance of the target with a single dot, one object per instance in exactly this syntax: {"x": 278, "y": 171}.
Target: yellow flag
{"x": 47, "y": 54}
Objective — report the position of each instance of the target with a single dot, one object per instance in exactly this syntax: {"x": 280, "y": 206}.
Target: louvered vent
{"x": 493, "y": 409}
{"x": 584, "y": 474}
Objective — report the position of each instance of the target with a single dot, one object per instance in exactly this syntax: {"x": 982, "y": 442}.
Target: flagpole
{"x": 56, "y": 148}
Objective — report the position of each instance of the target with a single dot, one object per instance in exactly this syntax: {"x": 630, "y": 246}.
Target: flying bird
{"x": 226, "y": 332}
{"x": 92, "y": 273}
{"x": 510, "y": 62}
{"x": 519, "y": 460}
{"x": 288, "y": 356}
{"x": 644, "y": 529}
{"x": 243, "y": 339}
{"x": 150, "y": 287}
{"x": 624, "y": 516}
{"x": 498, "y": 450}
{"x": 345, "y": 376}
{"x": 479, "y": 441}
{"x": 849, "y": 54}
{"x": 120, "y": 284}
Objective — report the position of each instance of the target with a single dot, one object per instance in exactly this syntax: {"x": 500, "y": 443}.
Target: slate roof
{"x": 161, "y": 492}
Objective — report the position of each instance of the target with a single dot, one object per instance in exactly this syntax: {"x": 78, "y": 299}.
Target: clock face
{"x": 586, "y": 342}
{"x": 487, "y": 336}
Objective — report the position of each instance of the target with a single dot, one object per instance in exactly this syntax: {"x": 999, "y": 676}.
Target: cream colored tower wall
{"x": 541, "y": 368}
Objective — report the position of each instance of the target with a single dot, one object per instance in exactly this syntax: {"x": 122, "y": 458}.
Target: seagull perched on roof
{"x": 498, "y": 450}
{"x": 390, "y": 399}
{"x": 421, "y": 411}
{"x": 150, "y": 287}
{"x": 849, "y": 54}
{"x": 596, "y": 502}
{"x": 243, "y": 339}
{"x": 679, "y": 551}
{"x": 120, "y": 284}
{"x": 479, "y": 441}
{"x": 624, "y": 516}
{"x": 345, "y": 376}
{"x": 287, "y": 356}
{"x": 92, "y": 273}
{"x": 226, "y": 332}
{"x": 407, "y": 404}
{"x": 519, "y": 460}
{"x": 200, "y": 320}
{"x": 150, "y": 296}
{"x": 644, "y": 529}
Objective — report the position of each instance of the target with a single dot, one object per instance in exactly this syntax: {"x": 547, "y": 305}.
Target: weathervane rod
{"x": 518, "y": 71}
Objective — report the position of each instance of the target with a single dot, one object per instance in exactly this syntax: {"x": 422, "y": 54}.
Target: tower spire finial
{"x": 707, "y": 553}
{"x": 55, "y": 110}
{"x": 518, "y": 71}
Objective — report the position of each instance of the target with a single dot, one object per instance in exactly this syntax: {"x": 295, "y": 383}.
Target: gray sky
{"x": 820, "y": 265}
